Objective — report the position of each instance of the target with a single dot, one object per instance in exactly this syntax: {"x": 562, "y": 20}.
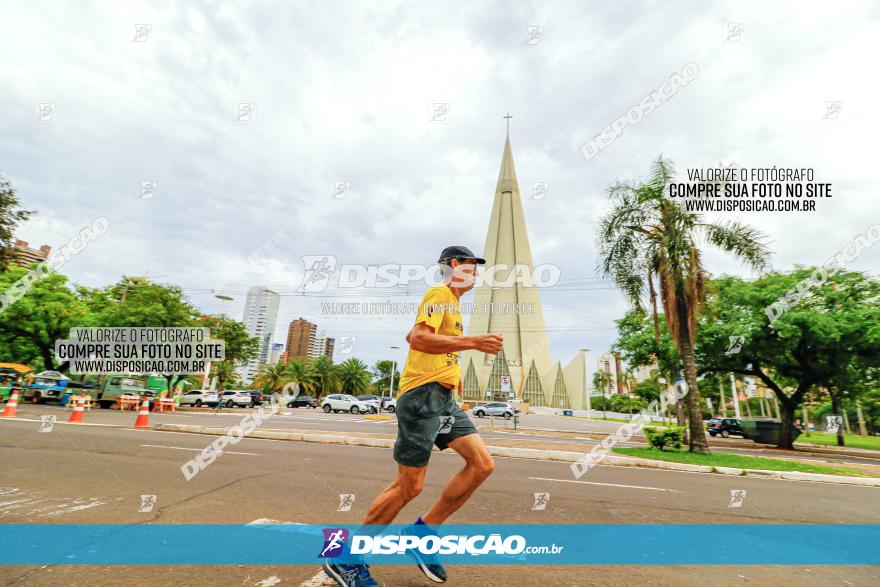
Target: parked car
{"x": 389, "y": 404}
{"x": 232, "y": 398}
{"x": 199, "y": 398}
{"x": 373, "y": 400}
{"x": 502, "y": 409}
{"x": 302, "y": 401}
{"x": 725, "y": 427}
{"x": 257, "y": 398}
{"x": 341, "y": 402}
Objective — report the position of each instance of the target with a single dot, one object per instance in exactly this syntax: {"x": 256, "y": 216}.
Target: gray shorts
{"x": 426, "y": 416}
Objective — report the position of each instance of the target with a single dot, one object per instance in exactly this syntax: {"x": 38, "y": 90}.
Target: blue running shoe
{"x": 428, "y": 563}
{"x": 349, "y": 575}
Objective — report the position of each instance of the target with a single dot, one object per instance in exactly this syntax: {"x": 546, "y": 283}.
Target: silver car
{"x": 232, "y": 398}
{"x": 198, "y": 398}
{"x": 502, "y": 409}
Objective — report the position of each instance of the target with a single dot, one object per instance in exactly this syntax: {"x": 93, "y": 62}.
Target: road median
{"x": 529, "y": 453}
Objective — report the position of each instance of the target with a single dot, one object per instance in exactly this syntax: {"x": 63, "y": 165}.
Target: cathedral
{"x": 524, "y": 369}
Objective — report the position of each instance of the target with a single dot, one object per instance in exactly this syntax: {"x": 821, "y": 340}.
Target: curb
{"x": 532, "y": 453}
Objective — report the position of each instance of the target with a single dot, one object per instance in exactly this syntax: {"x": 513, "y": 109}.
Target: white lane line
{"x": 319, "y": 580}
{"x": 261, "y": 521}
{"x": 62, "y": 422}
{"x": 606, "y": 484}
{"x": 228, "y": 452}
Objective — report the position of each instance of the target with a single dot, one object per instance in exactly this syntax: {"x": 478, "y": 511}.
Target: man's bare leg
{"x": 478, "y": 466}
{"x": 404, "y": 489}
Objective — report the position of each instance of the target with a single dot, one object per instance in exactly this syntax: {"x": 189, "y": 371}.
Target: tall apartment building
{"x": 323, "y": 345}
{"x": 329, "y": 347}
{"x": 277, "y": 352}
{"x": 300, "y": 337}
{"x": 260, "y": 316}
{"x": 24, "y": 256}
{"x": 304, "y": 340}
{"x": 610, "y": 364}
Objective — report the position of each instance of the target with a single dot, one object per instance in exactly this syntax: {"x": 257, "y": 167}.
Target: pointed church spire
{"x": 507, "y": 176}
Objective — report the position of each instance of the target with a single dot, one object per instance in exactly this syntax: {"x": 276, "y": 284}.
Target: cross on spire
{"x": 508, "y": 117}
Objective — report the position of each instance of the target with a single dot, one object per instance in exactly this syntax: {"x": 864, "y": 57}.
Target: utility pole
{"x": 723, "y": 406}
{"x": 735, "y": 397}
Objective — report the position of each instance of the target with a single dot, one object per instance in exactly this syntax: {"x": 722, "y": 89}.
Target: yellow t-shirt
{"x": 440, "y": 310}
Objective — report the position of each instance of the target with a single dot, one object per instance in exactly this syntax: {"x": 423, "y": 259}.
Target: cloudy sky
{"x": 344, "y": 92}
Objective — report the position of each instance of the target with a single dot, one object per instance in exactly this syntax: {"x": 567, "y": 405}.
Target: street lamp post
{"x": 393, "y": 367}
{"x": 225, "y": 300}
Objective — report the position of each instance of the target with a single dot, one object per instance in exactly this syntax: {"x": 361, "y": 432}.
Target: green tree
{"x": 299, "y": 371}
{"x": 138, "y": 302}
{"x": 238, "y": 348}
{"x": 647, "y": 235}
{"x": 834, "y": 327}
{"x": 226, "y": 374}
{"x": 354, "y": 377}
{"x": 46, "y": 313}
{"x": 10, "y": 217}
{"x": 272, "y": 377}
{"x": 601, "y": 383}
{"x": 324, "y": 376}
{"x": 382, "y": 376}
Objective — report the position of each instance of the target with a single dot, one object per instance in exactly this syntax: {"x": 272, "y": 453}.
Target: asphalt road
{"x": 96, "y": 474}
{"x": 530, "y": 427}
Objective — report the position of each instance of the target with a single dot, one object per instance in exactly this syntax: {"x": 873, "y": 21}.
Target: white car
{"x": 503, "y": 409}
{"x": 232, "y": 398}
{"x": 198, "y": 398}
{"x": 341, "y": 402}
{"x": 389, "y": 404}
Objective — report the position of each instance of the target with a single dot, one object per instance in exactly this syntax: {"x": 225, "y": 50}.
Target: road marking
{"x": 319, "y": 580}
{"x": 60, "y": 422}
{"x": 227, "y": 452}
{"x": 606, "y": 484}
{"x": 261, "y": 521}
{"x": 76, "y": 508}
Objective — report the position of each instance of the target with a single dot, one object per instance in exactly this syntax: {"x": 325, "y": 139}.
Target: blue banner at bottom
{"x": 497, "y": 544}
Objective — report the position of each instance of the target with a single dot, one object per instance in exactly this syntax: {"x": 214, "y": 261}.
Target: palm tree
{"x": 354, "y": 377}
{"x": 324, "y": 375}
{"x": 299, "y": 373}
{"x": 647, "y": 235}
{"x": 271, "y": 377}
{"x": 602, "y": 381}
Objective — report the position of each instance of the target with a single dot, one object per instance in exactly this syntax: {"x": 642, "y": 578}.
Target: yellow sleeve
{"x": 432, "y": 308}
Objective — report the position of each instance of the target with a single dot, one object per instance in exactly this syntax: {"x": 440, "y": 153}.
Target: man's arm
{"x": 423, "y": 338}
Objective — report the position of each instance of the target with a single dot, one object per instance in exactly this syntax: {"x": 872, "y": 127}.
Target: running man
{"x": 428, "y": 415}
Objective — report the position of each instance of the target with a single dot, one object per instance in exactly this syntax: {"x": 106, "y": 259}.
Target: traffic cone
{"x": 143, "y": 416}
{"x": 76, "y": 416}
{"x": 9, "y": 411}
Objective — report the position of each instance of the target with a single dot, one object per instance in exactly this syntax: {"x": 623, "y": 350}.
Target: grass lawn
{"x": 735, "y": 461}
{"x": 851, "y": 440}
